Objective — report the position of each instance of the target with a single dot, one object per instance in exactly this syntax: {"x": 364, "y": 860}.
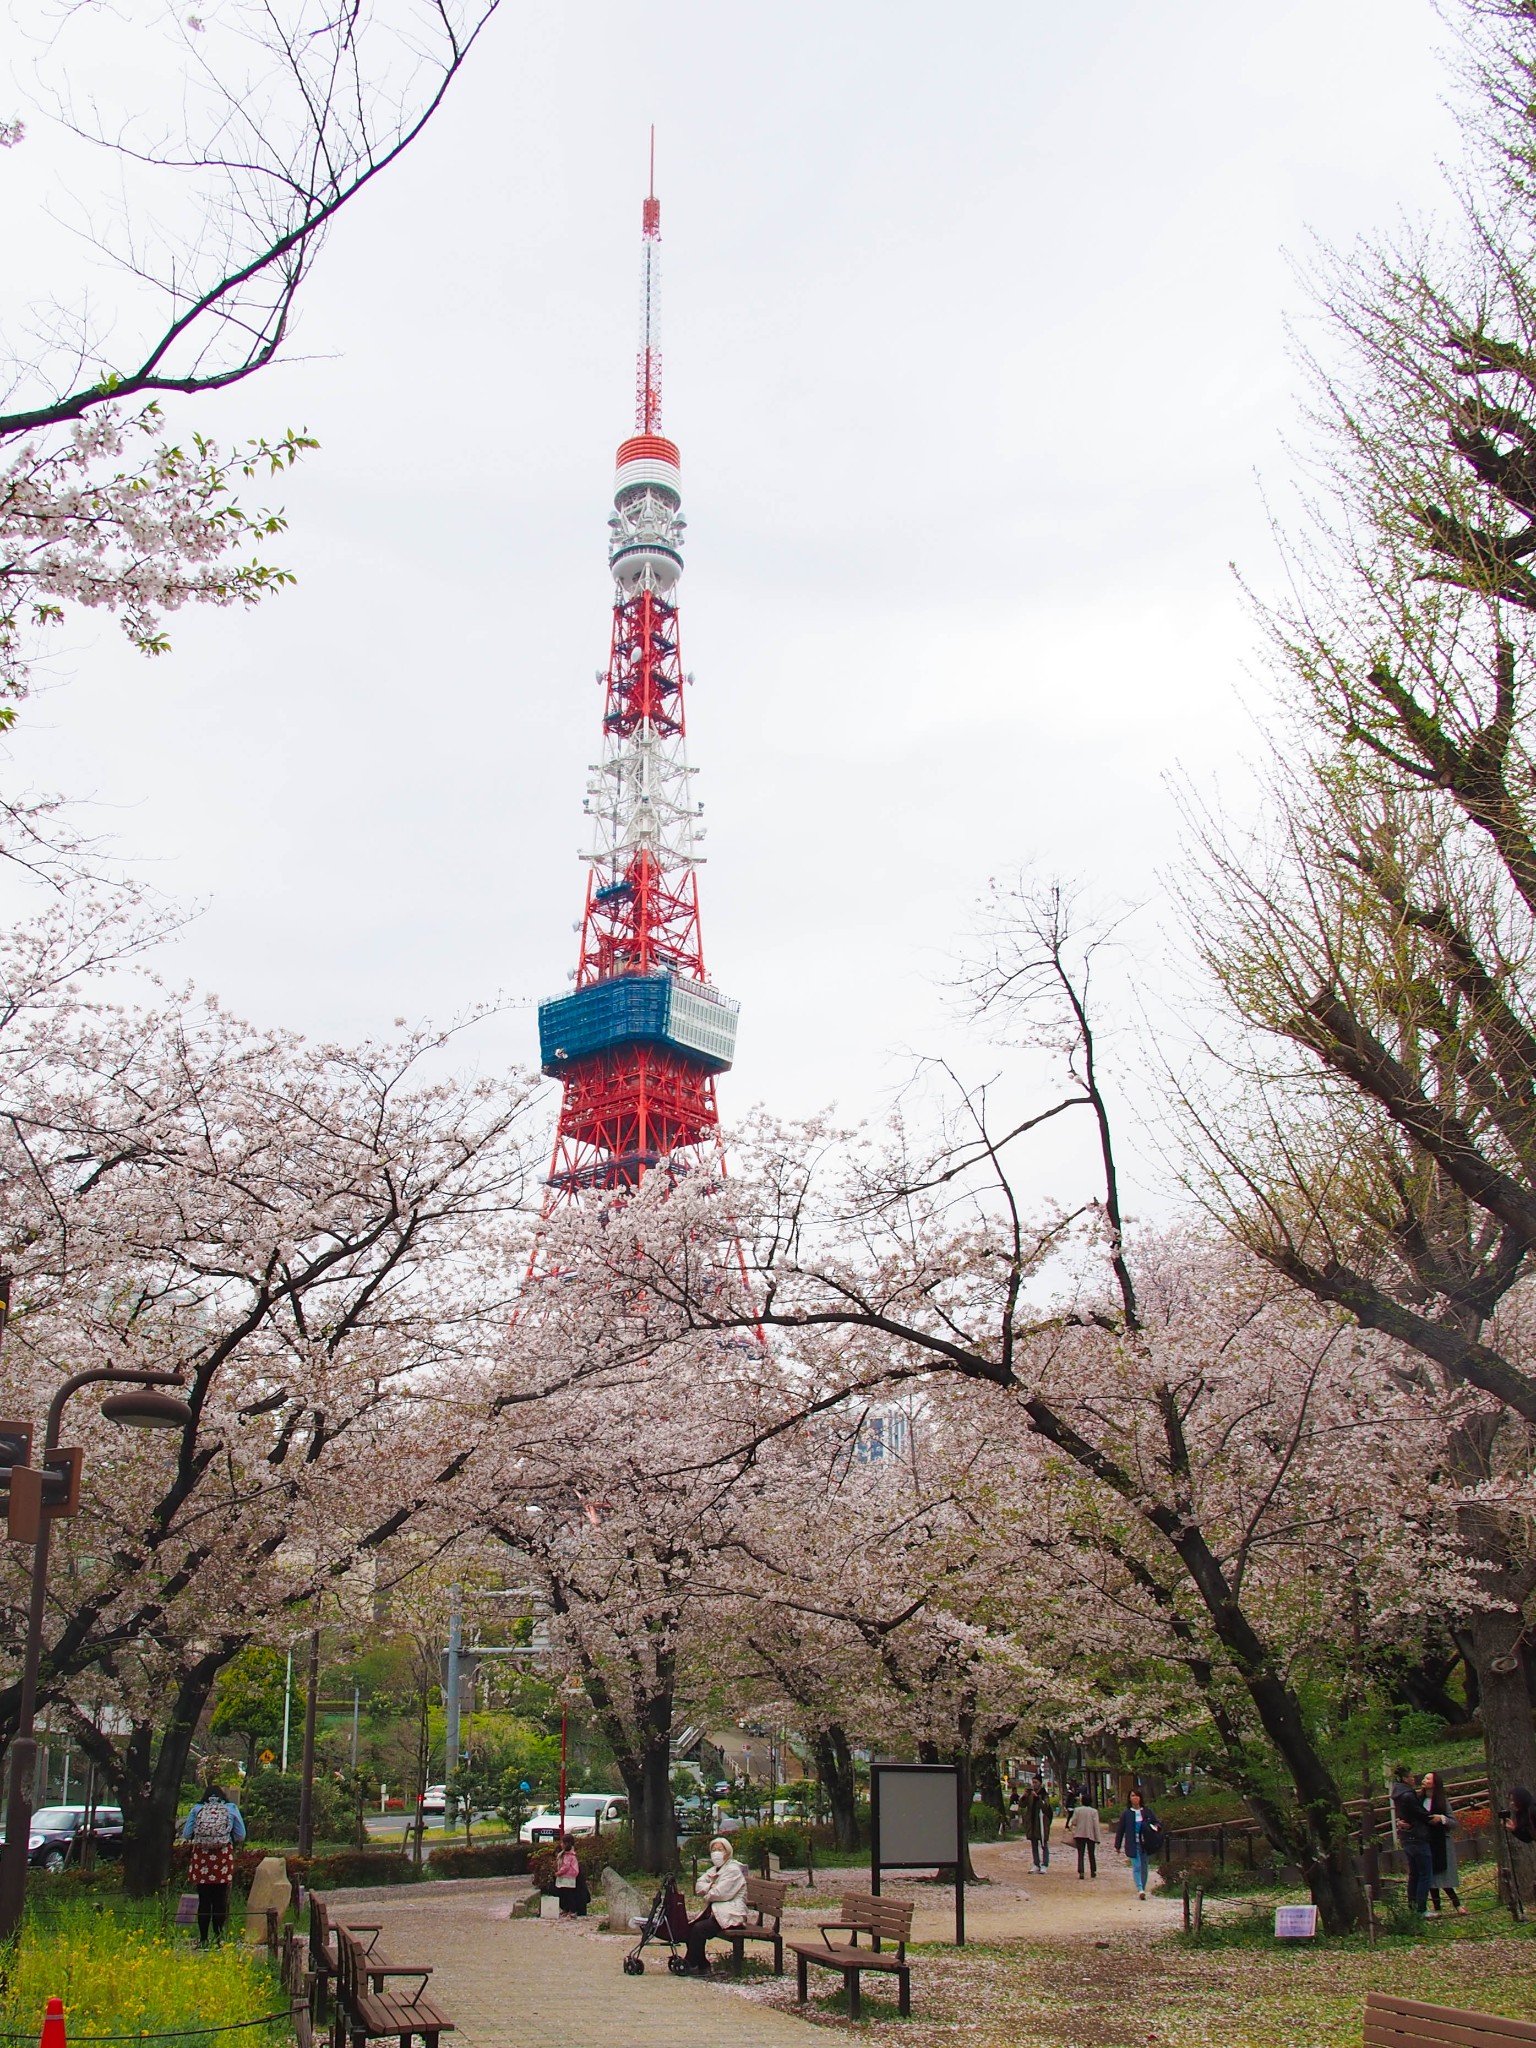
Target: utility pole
{"x": 451, "y": 1690}
{"x": 357, "y": 1694}
{"x": 307, "y": 1768}
{"x": 287, "y": 1706}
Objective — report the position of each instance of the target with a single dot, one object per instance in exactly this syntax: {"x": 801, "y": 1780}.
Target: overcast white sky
{"x": 974, "y": 349}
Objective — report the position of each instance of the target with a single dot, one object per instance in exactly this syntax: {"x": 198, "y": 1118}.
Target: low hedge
{"x": 356, "y": 1867}
{"x": 773, "y": 1838}
{"x": 502, "y": 1859}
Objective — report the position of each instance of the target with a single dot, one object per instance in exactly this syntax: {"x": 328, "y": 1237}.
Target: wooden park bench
{"x": 882, "y": 1920}
{"x": 368, "y": 2011}
{"x": 1405, "y": 2023}
{"x": 323, "y": 1960}
{"x": 765, "y": 1897}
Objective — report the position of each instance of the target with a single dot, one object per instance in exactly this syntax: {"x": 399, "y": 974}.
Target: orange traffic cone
{"x": 53, "y": 2025}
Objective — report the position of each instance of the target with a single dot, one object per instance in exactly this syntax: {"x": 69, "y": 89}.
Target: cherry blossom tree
{"x": 1237, "y": 1454}
{"x": 319, "y": 1239}
{"x": 591, "y": 1472}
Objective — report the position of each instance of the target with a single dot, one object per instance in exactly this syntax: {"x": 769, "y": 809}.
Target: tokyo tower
{"x": 637, "y": 1044}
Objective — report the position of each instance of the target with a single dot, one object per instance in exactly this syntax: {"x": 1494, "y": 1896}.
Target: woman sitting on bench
{"x": 723, "y": 1889}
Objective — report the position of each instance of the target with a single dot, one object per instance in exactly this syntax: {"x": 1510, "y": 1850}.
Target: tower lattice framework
{"x": 638, "y": 1042}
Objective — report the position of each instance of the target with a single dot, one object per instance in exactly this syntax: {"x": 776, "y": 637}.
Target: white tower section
{"x": 639, "y": 797}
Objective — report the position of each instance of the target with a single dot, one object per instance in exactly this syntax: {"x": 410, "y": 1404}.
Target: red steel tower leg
{"x": 638, "y": 1043}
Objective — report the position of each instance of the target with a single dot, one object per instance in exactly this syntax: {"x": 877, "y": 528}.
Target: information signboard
{"x": 916, "y": 1820}
{"x": 1294, "y": 1922}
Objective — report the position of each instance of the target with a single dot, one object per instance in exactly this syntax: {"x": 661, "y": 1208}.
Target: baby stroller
{"x": 666, "y": 1921}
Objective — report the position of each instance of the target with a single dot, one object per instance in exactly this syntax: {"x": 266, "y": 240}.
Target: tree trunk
{"x": 646, "y": 1768}
{"x": 1509, "y": 1741}
{"x": 1424, "y": 1686}
{"x": 989, "y": 1780}
{"x": 963, "y": 1762}
{"x": 147, "y": 1776}
{"x": 1319, "y": 1835}
{"x": 834, "y": 1760}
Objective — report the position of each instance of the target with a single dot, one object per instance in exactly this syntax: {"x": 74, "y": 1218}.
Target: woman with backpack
{"x": 213, "y": 1828}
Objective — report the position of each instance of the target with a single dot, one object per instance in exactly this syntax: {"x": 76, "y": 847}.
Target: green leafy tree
{"x": 249, "y": 1700}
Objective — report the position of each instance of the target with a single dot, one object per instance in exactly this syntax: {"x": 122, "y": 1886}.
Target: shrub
{"x": 503, "y": 1859}
{"x": 824, "y": 1835}
{"x": 984, "y": 1821}
{"x": 775, "y": 1838}
{"x": 356, "y": 1867}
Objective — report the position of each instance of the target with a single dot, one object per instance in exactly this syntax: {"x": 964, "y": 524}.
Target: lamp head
{"x": 143, "y": 1408}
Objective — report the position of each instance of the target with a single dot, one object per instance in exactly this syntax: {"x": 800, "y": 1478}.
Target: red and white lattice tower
{"x": 638, "y": 1043}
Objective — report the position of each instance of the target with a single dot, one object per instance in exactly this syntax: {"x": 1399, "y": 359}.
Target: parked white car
{"x": 585, "y": 1814}
{"x": 434, "y": 1800}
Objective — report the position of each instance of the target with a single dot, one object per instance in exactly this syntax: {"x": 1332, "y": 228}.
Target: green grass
{"x": 122, "y": 1966}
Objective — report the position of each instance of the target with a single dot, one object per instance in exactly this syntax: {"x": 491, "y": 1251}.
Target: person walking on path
{"x": 723, "y": 1889}
{"x": 1136, "y": 1838}
{"x": 1444, "y": 1876}
{"x": 213, "y": 1827}
{"x": 1083, "y": 1829}
{"x": 1415, "y": 1832}
{"x": 571, "y": 1887}
{"x": 1038, "y": 1811}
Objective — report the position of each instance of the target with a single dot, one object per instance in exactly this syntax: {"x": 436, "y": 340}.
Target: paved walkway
{"x": 558, "y": 1984}
{"x": 1050, "y": 1905}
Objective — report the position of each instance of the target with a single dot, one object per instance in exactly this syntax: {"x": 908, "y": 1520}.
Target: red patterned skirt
{"x": 212, "y": 1863}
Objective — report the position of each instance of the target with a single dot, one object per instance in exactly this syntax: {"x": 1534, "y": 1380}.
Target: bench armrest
{"x": 849, "y": 1933}
{"x": 383, "y": 1970}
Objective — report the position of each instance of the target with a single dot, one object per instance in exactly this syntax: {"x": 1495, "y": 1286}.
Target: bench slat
{"x": 1427, "y": 2035}
{"x": 1392, "y": 2021}
{"x": 1389, "y": 2033}
{"x": 850, "y": 1958}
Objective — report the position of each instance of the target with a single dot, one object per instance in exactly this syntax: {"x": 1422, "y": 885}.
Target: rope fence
{"x": 170, "y": 2033}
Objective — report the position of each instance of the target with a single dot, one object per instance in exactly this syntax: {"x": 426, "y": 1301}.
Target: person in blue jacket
{"x": 214, "y": 1826}
{"x": 1137, "y": 1837}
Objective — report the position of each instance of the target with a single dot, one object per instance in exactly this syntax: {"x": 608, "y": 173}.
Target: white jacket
{"x": 725, "y": 1889}
{"x": 1084, "y": 1825}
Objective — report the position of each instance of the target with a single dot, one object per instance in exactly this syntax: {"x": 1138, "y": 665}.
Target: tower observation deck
{"x": 638, "y": 1041}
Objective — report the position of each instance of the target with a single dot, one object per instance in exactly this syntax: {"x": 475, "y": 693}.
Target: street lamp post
{"x": 138, "y": 1410}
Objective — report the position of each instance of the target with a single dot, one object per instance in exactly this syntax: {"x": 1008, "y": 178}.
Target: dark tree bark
{"x": 834, "y": 1762}
{"x": 642, "y": 1750}
{"x": 989, "y": 1779}
{"x": 1423, "y": 1685}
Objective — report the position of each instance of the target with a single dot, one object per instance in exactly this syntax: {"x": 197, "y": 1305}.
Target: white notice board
{"x": 919, "y": 1817}
{"x": 1294, "y": 1923}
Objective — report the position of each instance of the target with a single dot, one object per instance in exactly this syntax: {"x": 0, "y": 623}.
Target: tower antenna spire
{"x": 648, "y": 368}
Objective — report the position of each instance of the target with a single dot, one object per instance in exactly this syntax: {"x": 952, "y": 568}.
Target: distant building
{"x": 883, "y": 1433}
